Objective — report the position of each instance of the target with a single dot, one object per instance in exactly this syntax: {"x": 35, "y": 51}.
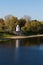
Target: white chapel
{"x": 17, "y": 28}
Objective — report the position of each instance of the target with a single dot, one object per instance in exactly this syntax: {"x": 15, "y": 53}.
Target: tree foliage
{"x": 2, "y": 24}
{"x": 10, "y": 22}
{"x": 22, "y": 22}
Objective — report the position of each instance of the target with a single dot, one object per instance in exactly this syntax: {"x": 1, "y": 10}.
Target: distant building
{"x": 17, "y": 28}
{"x": 18, "y": 31}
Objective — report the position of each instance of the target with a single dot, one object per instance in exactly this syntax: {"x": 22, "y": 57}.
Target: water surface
{"x": 28, "y": 52}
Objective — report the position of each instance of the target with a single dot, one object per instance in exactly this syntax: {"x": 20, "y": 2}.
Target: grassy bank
{"x": 6, "y": 34}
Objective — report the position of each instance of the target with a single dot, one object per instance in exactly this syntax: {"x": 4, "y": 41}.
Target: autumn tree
{"x": 32, "y": 27}
{"x": 11, "y": 22}
{"x": 27, "y": 18}
{"x": 22, "y": 22}
{"x": 1, "y": 24}
{"x": 35, "y": 26}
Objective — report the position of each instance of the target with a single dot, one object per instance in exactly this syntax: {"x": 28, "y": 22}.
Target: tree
{"x": 35, "y": 26}
{"x": 27, "y": 27}
{"x": 11, "y": 22}
{"x": 22, "y": 22}
{"x": 32, "y": 27}
{"x": 1, "y": 24}
{"x": 27, "y": 18}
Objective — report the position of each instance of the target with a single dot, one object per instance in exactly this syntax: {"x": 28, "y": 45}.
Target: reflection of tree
{"x": 7, "y": 43}
{"x": 29, "y": 42}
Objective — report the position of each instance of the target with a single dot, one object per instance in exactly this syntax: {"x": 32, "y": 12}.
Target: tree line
{"x": 28, "y": 27}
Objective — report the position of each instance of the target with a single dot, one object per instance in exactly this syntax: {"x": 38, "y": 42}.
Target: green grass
{"x": 5, "y": 35}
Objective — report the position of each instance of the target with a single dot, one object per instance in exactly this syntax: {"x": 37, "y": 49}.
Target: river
{"x": 21, "y": 52}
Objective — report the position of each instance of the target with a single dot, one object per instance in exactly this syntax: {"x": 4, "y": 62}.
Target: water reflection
{"x": 17, "y": 43}
{"x": 22, "y": 42}
{"x": 16, "y": 55}
{"x": 21, "y": 52}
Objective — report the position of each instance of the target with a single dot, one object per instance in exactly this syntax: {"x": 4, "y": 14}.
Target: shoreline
{"x": 22, "y": 37}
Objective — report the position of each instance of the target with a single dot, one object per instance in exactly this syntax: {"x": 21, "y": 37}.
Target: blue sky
{"x": 19, "y": 8}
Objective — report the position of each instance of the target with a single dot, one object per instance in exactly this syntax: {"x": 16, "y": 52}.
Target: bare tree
{"x": 27, "y": 18}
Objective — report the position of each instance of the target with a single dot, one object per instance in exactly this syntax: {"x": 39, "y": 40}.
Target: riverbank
{"x": 7, "y": 38}
{"x": 22, "y": 37}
